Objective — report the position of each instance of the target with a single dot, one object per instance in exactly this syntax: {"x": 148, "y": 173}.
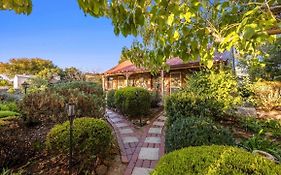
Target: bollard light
{"x": 25, "y": 85}
{"x": 71, "y": 116}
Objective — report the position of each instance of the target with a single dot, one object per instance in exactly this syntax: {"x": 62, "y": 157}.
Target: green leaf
{"x": 170, "y": 19}
{"x": 210, "y": 64}
{"x": 176, "y": 35}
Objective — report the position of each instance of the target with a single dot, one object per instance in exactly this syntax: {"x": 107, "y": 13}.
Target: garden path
{"x": 140, "y": 148}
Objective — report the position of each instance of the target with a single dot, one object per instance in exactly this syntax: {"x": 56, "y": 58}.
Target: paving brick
{"x": 126, "y": 131}
{"x": 155, "y": 130}
{"x": 130, "y": 139}
{"x": 116, "y": 120}
{"x": 152, "y": 140}
{"x": 120, "y": 125}
{"x": 158, "y": 123}
{"x": 141, "y": 171}
{"x": 162, "y": 118}
{"x": 149, "y": 154}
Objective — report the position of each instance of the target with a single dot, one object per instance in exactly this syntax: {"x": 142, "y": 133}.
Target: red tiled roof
{"x": 128, "y": 66}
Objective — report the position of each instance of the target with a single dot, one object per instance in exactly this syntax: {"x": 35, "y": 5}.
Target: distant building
{"x": 165, "y": 83}
{"x": 20, "y": 79}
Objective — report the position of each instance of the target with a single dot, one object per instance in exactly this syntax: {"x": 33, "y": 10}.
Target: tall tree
{"x": 25, "y": 66}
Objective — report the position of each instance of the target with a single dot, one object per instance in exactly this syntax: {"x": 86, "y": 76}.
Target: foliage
{"x": 50, "y": 104}
{"x": 9, "y": 172}
{"x": 268, "y": 94}
{"x": 207, "y": 94}
{"x": 123, "y": 56}
{"x": 49, "y": 73}
{"x": 155, "y": 99}
{"x": 5, "y": 83}
{"x": 256, "y": 125}
{"x": 266, "y": 67}
{"x": 223, "y": 160}
{"x": 4, "y": 114}
{"x": 37, "y": 84}
{"x": 86, "y": 87}
{"x": 246, "y": 90}
{"x": 91, "y": 139}
{"x": 41, "y": 106}
{"x": 9, "y": 106}
{"x": 72, "y": 74}
{"x": 133, "y": 101}
{"x": 258, "y": 142}
{"x": 110, "y": 99}
{"x": 184, "y": 104}
{"x": 174, "y": 28}
{"x": 220, "y": 86}
{"x": 25, "y": 66}
{"x": 19, "y": 6}
{"x": 196, "y": 131}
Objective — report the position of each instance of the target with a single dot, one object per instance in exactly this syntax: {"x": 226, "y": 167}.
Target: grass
{"x": 4, "y": 114}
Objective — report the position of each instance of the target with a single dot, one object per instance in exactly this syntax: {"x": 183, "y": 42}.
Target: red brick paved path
{"x": 141, "y": 148}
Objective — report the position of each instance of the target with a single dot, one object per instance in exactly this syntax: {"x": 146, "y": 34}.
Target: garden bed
{"x": 26, "y": 150}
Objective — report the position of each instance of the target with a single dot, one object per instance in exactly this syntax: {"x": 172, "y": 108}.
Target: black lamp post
{"x": 25, "y": 85}
{"x": 71, "y": 115}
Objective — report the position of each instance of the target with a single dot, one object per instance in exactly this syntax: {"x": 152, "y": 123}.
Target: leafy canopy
{"x": 19, "y": 6}
{"x": 188, "y": 28}
{"x": 25, "y": 66}
{"x": 185, "y": 28}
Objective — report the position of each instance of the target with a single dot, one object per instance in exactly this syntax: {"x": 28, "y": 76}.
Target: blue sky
{"x": 58, "y": 30}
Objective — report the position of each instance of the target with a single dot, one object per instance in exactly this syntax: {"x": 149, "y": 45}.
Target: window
{"x": 175, "y": 81}
{"x": 121, "y": 82}
{"x": 110, "y": 83}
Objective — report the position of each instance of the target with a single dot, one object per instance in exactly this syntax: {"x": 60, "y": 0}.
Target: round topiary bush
{"x": 213, "y": 160}
{"x": 91, "y": 138}
{"x": 133, "y": 101}
{"x": 196, "y": 131}
{"x": 110, "y": 99}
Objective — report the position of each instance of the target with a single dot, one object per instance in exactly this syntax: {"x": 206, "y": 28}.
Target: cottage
{"x": 165, "y": 83}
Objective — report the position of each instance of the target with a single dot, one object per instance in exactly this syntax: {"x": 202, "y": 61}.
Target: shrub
{"x": 212, "y": 160}
{"x": 155, "y": 99}
{"x": 8, "y": 114}
{"x": 110, "y": 99}
{"x": 268, "y": 95}
{"x": 51, "y": 103}
{"x": 133, "y": 101}
{"x": 83, "y": 86}
{"x": 196, "y": 131}
{"x": 5, "y": 83}
{"x": 220, "y": 86}
{"x": 40, "y": 106}
{"x": 91, "y": 139}
{"x": 9, "y": 106}
{"x": 257, "y": 142}
{"x": 185, "y": 104}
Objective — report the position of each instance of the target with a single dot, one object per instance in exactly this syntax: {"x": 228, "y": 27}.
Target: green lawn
{"x": 4, "y": 114}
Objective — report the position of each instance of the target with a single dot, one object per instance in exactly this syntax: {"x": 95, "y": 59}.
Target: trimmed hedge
{"x": 196, "y": 131}
{"x": 213, "y": 160}
{"x": 110, "y": 99}
{"x": 91, "y": 138}
{"x": 185, "y": 104}
{"x": 133, "y": 101}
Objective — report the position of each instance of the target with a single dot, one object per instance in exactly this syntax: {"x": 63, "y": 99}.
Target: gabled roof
{"x": 174, "y": 63}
